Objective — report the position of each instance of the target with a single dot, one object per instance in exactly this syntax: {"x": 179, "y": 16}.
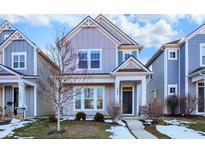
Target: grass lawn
{"x": 152, "y": 130}
{"x": 73, "y": 130}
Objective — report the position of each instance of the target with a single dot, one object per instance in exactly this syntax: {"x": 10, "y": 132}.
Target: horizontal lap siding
{"x": 182, "y": 70}
{"x": 20, "y": 46}
{"x": 157, "y": 81}
{"x": 173, "y": 71}
{"x": 92, "y": 38}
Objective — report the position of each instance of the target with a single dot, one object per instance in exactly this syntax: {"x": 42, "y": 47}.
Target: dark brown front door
{"x": 127, "y": 102}
{"x": 16, "y": 100}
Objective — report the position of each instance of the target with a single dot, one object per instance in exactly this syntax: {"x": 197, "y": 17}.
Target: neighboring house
{"x": 21, "y": 62}
{"x": 179, "y": 68}
{"x": 115, "y": 74}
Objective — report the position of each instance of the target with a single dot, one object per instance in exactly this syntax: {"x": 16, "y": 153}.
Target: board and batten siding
{"x": 157, "y": 81}
{"x": 29, "y": 101}
{"x": 92, "y": 38}
{"x": 20, "y": 46}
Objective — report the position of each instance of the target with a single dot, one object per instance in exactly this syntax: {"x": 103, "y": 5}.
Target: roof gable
{"x": 86, "y": 23}
{"x": 131, "y": 65}
{"x": 6, "y": 71}
{"x": 199, "y": 30}
{"x": 6, "y": 26}
{"x": 108, "y": 25}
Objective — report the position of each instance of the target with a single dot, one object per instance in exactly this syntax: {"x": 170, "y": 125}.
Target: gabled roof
{"x": 90, "y": 22}
{"x": 6, "y": 25}
{"x": 141, "y": 67}
{"x": 117, "y": 29}
{"x": 10, "y": 70}
{"x": 196, "y": 71}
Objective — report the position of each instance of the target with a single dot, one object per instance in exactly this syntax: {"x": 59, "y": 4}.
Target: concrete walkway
{"x": 137, "y": 128}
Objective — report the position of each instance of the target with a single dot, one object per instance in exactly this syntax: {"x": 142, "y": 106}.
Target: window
{"x": 91, "y": 98}
{"x": 89, "y": 59}
{"x": 172, "y": 55}
{"x": 202, "y": 54}
{"x": 126, "y": 54}
{"x": 19, "y": 60}
{"x": 83, "y": 60}
{"x": 172, "y": 89}
{"x": 95, "y": 59}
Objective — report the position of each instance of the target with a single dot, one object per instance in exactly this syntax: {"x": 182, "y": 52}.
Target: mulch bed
{"x": 5, "y": 122}
{"x": 196, "y": 117}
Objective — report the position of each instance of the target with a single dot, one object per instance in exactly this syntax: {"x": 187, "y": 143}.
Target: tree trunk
{"x": 58, "y": 120}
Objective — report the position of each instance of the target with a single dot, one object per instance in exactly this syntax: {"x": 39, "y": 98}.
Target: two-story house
{"x": 21, "y": 62}
{"x": 178, "y": 68}
{"x": 115, "y": 74}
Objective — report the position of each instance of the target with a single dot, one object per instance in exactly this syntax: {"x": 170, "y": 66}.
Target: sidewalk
{"x": 137, "y": 128}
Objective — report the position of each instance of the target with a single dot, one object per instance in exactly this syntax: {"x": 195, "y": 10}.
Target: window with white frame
{"x": 172, "y": 89}
{"x": 202, "y": 54}
{"x": 172, "y": 55}
{"x": 83, "y": 60}
{"x": 19, "y": 60}
{"x": 90, "y": 98}
{"x": 89, "y": 59}
{"x": 126, "y": 54}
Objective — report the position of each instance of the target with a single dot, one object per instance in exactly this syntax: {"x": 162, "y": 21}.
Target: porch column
{"x": 144, "y": 92}
{"x": 21, "y": 86}
{"x": 117, "y": 91}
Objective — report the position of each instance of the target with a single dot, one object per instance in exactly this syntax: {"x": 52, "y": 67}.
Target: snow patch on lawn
{"x": 14, "y": 124}
{"x": 120, "y": 132}
{"x": 109, "y": 121}
{"x": 120, "y": 122}
{"x": 176, "y": 122}
{"x": 180, "y": 132}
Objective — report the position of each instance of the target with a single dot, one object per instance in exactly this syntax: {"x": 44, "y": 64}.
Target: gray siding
{"x": 92, "y": 38}
{"x": 157, "y": 81}
{"x": 173, "y": 71}
{"x": 182, "y": 70}
{"x": 20, "y": 46}
{"x": 9, "y": 97}
{"x": 2, "y": 34}
{"x": 30, "y": 101}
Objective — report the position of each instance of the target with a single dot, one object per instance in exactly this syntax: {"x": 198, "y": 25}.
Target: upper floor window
{"x": 19, "y": 60}
{"x": 89, "y": 59}
{"x": 172, "y": 89}
{"x": 202, "y": 54}
{"x": 126, "y": 54}
{"x": 172, "y": 55}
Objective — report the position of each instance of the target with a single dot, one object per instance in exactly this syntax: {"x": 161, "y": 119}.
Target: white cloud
{"x": 197, "y": 18}
{"x": 151, "y": 34}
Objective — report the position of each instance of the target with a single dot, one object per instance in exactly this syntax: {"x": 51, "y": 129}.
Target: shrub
{"x": 80, "y": 116}
{"x": 155, "y": 108}
{"x": 52, "y": 118}
{"x": 173, "y": 103}
{"x": 114, "y": 110}
{"x": 99, "y": 117}
{"x": 188, "y": 104}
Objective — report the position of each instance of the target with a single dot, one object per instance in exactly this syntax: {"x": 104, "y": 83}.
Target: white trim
{"x": 116, "y": 56}
{"x": 89, "y": 58}
{"x": 186, "y": 68}
{"x": 201, "y": 45}
{"x": 9, "y": 40}
{"x": 171, "y": 58}
{"x": 179, "y": 74}
{"x": 127, "y": 60}
{"x": 197, "y": 94}
{"x": 98, "y": 26}
{"x": 12, "y": 72}
{"x": 7, "y": 26}
{"x": 35, "y": 61}
{"x": 8, "y": 81}
{"x": 35, "y": 100}
{"x": 172, "y": 86}
{"x": 165, "y": 74}
{"x": 195, "y": 32}
{"x": 3, "y": 57}
{"x": 19, "y": 54}
{"x": 133, "y": 90}
{"x": 94, "y": 99}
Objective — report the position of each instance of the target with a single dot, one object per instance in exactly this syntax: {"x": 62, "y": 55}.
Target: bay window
{"x": 91, "y": 98}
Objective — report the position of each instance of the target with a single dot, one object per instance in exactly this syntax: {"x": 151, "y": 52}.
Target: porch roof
{"x": 197, "y": 72}
{"x": 9, "y": 71}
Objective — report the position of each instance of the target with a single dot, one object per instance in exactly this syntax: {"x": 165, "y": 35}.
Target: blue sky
{"x": 151, "y": 31}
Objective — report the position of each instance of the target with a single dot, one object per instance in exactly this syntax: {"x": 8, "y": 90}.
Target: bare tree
{"x": 114, "y": 110}
{"x": 188, "y": 104}
{"x": 57, "y": 84}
